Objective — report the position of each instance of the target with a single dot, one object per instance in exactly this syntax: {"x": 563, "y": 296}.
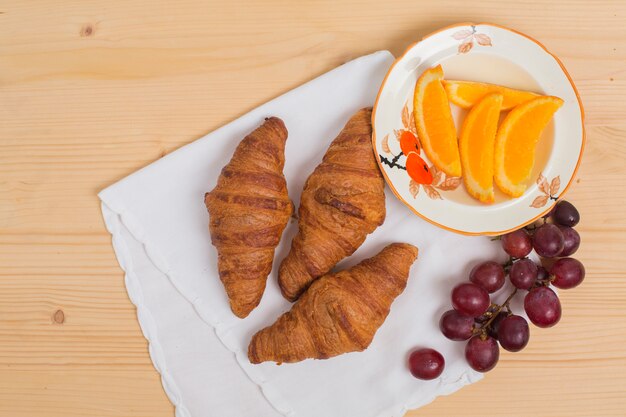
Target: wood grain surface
{"x": 92, "y": 90}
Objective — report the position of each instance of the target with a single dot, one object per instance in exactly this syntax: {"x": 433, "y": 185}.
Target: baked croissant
{"x": 339, "y": 312}
{"x": 248, "y": 209}
{"x": 342, "y": 202}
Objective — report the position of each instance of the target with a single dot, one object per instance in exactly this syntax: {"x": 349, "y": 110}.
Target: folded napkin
{"x": 159, "y": 225}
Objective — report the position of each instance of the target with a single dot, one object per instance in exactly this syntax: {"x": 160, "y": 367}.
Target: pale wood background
{"x": 92, "y": 90}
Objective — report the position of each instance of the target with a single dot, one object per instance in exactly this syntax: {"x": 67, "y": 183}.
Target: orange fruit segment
{"x": 466, "y": 94}
{"x": 516, "y": 141}
{"x": 476, "y": 146}
{"x": 433, "y": 119}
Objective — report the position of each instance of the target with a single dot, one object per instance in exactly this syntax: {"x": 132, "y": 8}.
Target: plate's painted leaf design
{"x": 412, "y": 127}
{"x": 437, "y": 178}
{"x": 385, "y": 144}
{"x": 542, "y": 182}
{"x": 482, "y": 39}
{"x": 406, "y": 117}
{"x": 466, "y": 46}
{"x": 462, "y": 34}
{"x": 555, "y": 185}
{"x": 467, "y": 38}
{"x": 548, "y": 192}
{"x": 451, "y": 183}
{"x": 414, "y": 188}
{"x": 433, "y": 170}
{"x": 432, "y": 193}
{"x": 540, "y": 201}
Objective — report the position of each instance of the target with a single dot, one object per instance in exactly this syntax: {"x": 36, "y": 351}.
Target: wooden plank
{"x": 73, "y": 391}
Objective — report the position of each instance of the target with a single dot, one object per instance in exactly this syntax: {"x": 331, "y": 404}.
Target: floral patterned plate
{"x": 484, "y": 53}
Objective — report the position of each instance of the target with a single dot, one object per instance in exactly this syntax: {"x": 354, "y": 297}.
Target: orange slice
{"x": 466, "y": 94}
{"x": 516, "y": 140}
{"x": 435, "y": 126}
{"x": 476, "y": 146}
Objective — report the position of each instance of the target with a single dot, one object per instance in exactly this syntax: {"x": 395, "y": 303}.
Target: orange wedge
{"x": 435, "y": 126}
{"x": 515, "y": 142}
{"x": 476, "y": 146}
{"x": 466, "y": 94}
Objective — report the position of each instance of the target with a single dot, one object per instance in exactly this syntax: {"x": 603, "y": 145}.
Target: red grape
{"x": 470, "y": 299}
{"x": 565, "y": 214}
{"x": 489, "y": 275}
{"x": 517, "y": 244}
{"x": 513, "y": 333}
{"x": 482, "y": 355}
{"x": 548, "y": 241}
{"x": 568, "y": 273}
{"x": 523, "y": 274}
{"x": 456, "y": 326}
{"x": 495, "y": 324}
{"x": 571, "y": 240}
{"x": 542, "y": 307}
{"x": 426, "y": 363}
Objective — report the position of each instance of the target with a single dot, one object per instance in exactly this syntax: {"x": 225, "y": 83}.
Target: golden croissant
{"x": 342, "y": 202}
{"x": 248, "y": 209}
{"x": 339, "y": 312}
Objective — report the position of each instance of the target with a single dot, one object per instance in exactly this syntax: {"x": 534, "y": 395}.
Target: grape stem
{"x": 544, "y": 282}
{"x": 498, "y": 310}
{"x": 531, "y": 228}
{"x": 507, "y": 265}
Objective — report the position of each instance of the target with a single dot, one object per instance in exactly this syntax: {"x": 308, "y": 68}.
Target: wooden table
{"x": 92, "y": 90}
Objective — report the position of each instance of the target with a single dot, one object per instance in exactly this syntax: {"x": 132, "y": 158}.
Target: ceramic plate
{"x": 493, "y": 54}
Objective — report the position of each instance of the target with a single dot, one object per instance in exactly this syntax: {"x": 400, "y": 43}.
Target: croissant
{"x": 342, "y": 202}
{"x": 248, "y": 209}
{"x": 339, "y": 312}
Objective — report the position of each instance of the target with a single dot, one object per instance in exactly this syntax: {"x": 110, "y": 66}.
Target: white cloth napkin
{"x": 159, "y": 225}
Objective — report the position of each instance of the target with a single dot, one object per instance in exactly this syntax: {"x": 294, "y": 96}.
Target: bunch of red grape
{"x": 486, "y": 324}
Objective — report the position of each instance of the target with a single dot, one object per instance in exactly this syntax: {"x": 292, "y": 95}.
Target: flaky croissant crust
{"x": 339, "y": 312}
{"x": 248, "y": 209}
{"x": 342, "y": 202}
